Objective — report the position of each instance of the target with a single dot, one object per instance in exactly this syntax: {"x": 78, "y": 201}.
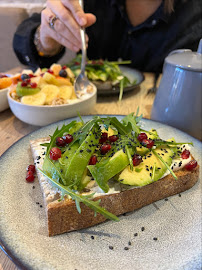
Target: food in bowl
{"x": 5, "y": 81}
{"x": 53, "y": 86}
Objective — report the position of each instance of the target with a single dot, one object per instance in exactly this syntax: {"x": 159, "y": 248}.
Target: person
{"x": 143, "y": 31}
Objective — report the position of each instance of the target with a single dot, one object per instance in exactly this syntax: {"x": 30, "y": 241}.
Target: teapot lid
{"x": 186, "y": 59}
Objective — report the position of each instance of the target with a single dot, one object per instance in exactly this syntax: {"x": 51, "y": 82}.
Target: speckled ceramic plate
{"x": 163, "y": 235}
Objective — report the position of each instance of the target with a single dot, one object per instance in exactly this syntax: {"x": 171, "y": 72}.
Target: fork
{"x": 153, "y": 89}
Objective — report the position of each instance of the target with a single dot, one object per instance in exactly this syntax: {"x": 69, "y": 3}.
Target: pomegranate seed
{"x": 68, "y": 138}
{"x": 3, "y": 76}
{"x": 30, "y": 176}
{"x": 148, "y": 143}
{"x": 27, "y": 81}
{"x": 55, "y": 153}
{"x": 113, "y": 138}
{"x": 60, "y": 142}
{"x": 31, "y": 168}
{"x": 185, "y": 154}
{"x": 105, "y": 148}
{"x": 141, "y": 137}
{"x": 104, "y": 137}
{"x": 93, "y": 160}
{"x": 50, "y": 71}
{"x": 33, "y": 85}
{"x": 23, "y": 84}
{"x": 76, "y": 63}
{"x": 64, "y": 67}
{"x": 191, "y": 165}
{"x": 137, "y": 159}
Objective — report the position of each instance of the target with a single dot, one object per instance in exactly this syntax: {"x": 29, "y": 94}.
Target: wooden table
{"x": 12, "y": 129}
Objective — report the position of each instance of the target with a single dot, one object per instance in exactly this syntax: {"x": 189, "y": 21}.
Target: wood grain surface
{"x": 12, "y": 129}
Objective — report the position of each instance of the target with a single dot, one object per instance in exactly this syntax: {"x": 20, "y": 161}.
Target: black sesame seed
{"x": 66, "y": 157}
{"x": 37, "y": 202}
{"x": 142, "y": 229}
{"x": 92, "y": 237}
{"x": 147, "y": 169}
{"x": 81, "y": 151}
{"x": 155, "y": 238}
{"x": 33, "y": 187}
{"x": 179, "y": 195}
{"x": 150, "y": 174}
{"x": 129, "y": 243}
{"x": 166, "y": 199}
{"x": 88, "y": 150}
{"x": 126, "y": 248}
{"x": 135, "y": 234}
{"x": 38, "y": 157}
{"x": 111, "y": 247}
{"x": 41, "y": 205}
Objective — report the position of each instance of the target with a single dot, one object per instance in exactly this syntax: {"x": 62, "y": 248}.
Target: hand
{"x": 66, "y": 30}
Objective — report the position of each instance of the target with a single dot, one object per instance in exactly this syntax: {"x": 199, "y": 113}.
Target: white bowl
{"x": 3, "y": 99}
{"x": 47, "y": 114}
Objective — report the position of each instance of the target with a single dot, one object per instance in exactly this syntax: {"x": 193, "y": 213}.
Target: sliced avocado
{"x": 103, "y": 171}
{"x": 26, "y": 90}
{"x": 75, "y": 171}
{"x": 150, "y": 170}
{"x": 50, "y": 170}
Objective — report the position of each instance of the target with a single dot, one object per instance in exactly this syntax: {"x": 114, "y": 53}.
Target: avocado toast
{"x": 93, "y": 171}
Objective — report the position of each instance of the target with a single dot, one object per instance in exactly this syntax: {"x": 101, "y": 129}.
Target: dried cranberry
{"x": 31, "y": 168}
{"x": 185, "y": 154}
{"x": 63, "y": 73}
{"x": 55, "y": 153}
{"x": 33, "y": 85}
{"x": 68, "y": 138}
{"x": 137, "y": 159}
{"x": 104, "y": 137}
{"x": 105, "y": 148}
{"x": 191, "y": 165}
{"x": 60, "y": 142}
{"x": 93, "y": 160}
{"x": 113, "y": 138}
{"x": 30, "y": 176}
{"x": 141, "y": 137}
{"x": 148, "y": 143}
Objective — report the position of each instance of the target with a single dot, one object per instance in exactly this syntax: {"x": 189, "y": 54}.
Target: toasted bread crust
{"x": 64, "y": 217}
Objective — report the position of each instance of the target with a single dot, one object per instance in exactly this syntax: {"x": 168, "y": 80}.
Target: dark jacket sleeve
{"x": 24, "y": 48}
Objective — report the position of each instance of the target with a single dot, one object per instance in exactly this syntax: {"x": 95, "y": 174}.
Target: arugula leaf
{"x": 94, "y": 205}
{"x": 130, "y": 118}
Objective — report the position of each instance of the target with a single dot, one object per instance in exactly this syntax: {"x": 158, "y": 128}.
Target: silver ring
{"x": 51, "y": 21}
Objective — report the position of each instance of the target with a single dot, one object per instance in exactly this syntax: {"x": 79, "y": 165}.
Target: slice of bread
{"x": 62, "y": 216}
